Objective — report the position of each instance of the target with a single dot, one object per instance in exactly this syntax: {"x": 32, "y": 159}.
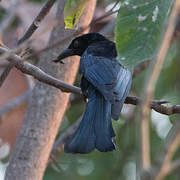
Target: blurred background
{"x": 122, "y": 164}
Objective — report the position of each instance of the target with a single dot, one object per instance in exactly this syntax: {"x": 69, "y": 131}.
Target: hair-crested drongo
{"x": 106, "y": 84}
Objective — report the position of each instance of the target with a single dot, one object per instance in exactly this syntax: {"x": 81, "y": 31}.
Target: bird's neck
{"x": 103, "y": 48}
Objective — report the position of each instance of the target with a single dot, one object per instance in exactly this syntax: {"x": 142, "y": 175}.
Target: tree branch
{"x": 15, "y": 102}
{"x": 19, "y": 99}
{"x": 172, "y": 144}
{"x": 46, "y": 109}
{"x": 44, "y": 11}
{"x": 5, "y": 73}
{"x": 156, "y": 105}
{"x": 79, "y": 31}
{"x": 149, "y": 91}
{"x": 33, "y": 28}
{"x": 10, "y": 65}
{"x": 40, "y": 75}
{"x": 37, "y": 21}
{"x": 173, "y": 166}
{"x": 58, "y": 145}
{"x": 141, "y": 67}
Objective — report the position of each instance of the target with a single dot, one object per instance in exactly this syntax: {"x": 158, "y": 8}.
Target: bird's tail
{"x": 95, "y": 130}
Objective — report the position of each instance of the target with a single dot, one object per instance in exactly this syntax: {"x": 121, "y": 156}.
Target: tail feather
{"x": 103, "y": 126}
{"x": 95, "y": 130}
{"x": 83, "y": 141}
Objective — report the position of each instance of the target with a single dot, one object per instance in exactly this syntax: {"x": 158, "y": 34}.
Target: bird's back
{"x": 99, "y": 66}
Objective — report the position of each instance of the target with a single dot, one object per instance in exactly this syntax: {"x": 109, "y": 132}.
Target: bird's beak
{"x": 64, "y": 54}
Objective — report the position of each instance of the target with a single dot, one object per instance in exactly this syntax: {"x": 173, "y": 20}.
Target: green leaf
{"x": 139, "y": 26}
{"x": 72, "y": 12}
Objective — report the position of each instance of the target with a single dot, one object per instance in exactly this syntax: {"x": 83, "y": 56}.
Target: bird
{"x": 105, "y": 84}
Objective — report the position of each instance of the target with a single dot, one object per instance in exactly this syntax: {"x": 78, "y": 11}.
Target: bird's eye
{"x": 76, "y": 44}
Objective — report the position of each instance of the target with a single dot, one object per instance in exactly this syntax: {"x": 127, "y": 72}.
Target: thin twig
{"x": 9, "y": 16}
{"x": 62, "y": 41}
{"x": 172, "y": 145}
{"x": 136, "y": 101}
{"x": 35, "y": 140}
{"x": 44, "y": 11}
{"x": 55, "y": 163}
{"x": 58, "y": 145}
{"x": 7, "y": 19}
{"x": 15, "y": 102}
{"x": 115, "y": 4}
{"x": 108, "y": 28}
{"x": 19, "y": 99}
{"x": 141, "y": 67}
{"x": 157, "y": 66}
{"x": 40, "y": 75}
{"x": 5, "y": 73}
{"x": 9, "y": 67}
{"x": 173, "y": 166}
{"x": 155, "y": 105}
{"x": 37, "y": 21}
{"x": 71, "y": 36}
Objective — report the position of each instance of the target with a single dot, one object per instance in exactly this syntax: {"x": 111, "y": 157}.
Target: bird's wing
{"x": 109, "y": 78}
{"x": 102, "y": 73}
{"x": 122, "y": 88}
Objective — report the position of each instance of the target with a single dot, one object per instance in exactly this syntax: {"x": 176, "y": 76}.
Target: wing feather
{"x": 101, "y": 72}
{"x": 111, "y": 79}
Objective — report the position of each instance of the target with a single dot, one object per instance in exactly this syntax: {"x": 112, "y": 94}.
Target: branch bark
{"x": 172, "y": 144}
{"x": 149, "y": 90}
{"x": 44, "y": 11}
{"x": 40, "y": 75}
{"x": 58, "y": 145}
{"x": 37, "y": 21}
{"x": 45, "y": 110}
{"x": 15, "y": 102}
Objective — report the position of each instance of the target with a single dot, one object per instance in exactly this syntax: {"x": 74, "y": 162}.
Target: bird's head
{"x": 80, "y": 44}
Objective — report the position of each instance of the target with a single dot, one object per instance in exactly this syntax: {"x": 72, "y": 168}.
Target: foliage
{"x": 130, "y": 35}
{"x": 137, "y": 37}
{"x": 73, "y": 11}
{"x": 139, "y": 27}
{"x": 121, "y": 164}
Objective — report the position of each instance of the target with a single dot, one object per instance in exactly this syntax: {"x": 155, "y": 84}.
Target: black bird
{"x": 106, "y": 84}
